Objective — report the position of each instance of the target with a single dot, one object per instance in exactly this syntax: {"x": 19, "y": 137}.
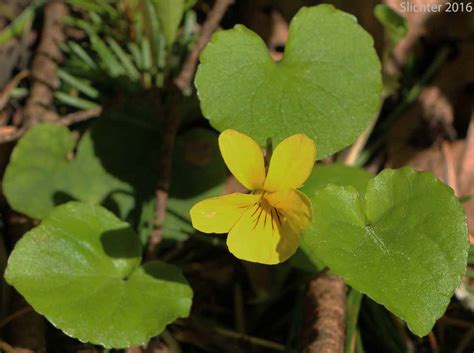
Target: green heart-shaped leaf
{"x": 42, "y": 165}
{"x": 404, "y": 244}
{"x": 81, "y": 269}
{"x": 115, "y": 165}
{"x": 322, "y": 176}
{"x": 327, "y": 85}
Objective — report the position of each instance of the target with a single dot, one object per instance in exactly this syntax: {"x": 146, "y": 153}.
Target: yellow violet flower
{"x": 263, "y": 226}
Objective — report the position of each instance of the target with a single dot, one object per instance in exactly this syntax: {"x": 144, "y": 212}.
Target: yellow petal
{"x": 243, "y": 157}
{"x": 294, "y": 206}
{"x": 219, "y": 214}
{"x": 261, "y": 236}
{"x": 291, "y": 163}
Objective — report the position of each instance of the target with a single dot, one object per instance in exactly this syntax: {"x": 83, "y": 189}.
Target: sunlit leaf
{"x": 404, "y": 243}
{"x": 322, "y": 176}
{"x": 327, "y": 85}
{"x": 115, "y": 165}
{"x": 81, "y": 269}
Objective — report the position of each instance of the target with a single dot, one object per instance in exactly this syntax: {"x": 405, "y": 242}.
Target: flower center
{"x": 264, "y": 214}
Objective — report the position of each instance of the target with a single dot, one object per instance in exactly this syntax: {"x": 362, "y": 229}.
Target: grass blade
{"x": 124, "y": 58}
{"x": 146, "y": 54}
{"x": 99, "y": 7}
{"x": 78, "y": 84}
{"x": 354, "y": 300}
{"x": 136, "y": 54}
{"x": 154, "y": 27}
{"x": 82, "y": 54}
{"x": 74, "y": 102}
{"x": 16, "y": 27}
{"x": 108, "y": 59}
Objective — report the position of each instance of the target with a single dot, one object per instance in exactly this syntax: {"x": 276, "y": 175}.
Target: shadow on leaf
{"x": 121, "y": 243}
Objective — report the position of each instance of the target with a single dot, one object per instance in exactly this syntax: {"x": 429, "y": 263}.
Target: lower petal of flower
{"x": 219, "y": 214}
{"x": 262, "y": 235}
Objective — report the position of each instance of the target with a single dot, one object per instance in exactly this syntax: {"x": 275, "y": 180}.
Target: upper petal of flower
{"x": 243, "y": 157}
{"x": 219, "y": 214}
{"x": 262, "y": 236}
{"x": 291, "y": 163}
{"x": 294, "y": 206}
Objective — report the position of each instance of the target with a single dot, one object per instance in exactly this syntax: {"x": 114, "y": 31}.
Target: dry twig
{"x": 182, "y": 82}
{"x": 80, "y": 116}
{"x": 466, "y": 173}
{"x": 10, "y": 86}
{"x": 466, "y": 177}
{"x": 44, "y": 67}
{"x": 15, "y": 315}
{"x": 184, "y": 79}
{"x": 11, "y": 133}
{"x": 449, "y": 166}
{"x": 325, "y": 306}
{"x": 4, "y": 346}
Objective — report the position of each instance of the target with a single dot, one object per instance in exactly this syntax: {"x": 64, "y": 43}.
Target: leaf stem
{"x": 173, "y": 120}
{"x": 268, "y": 152}
{"x": 251, "y": 339}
